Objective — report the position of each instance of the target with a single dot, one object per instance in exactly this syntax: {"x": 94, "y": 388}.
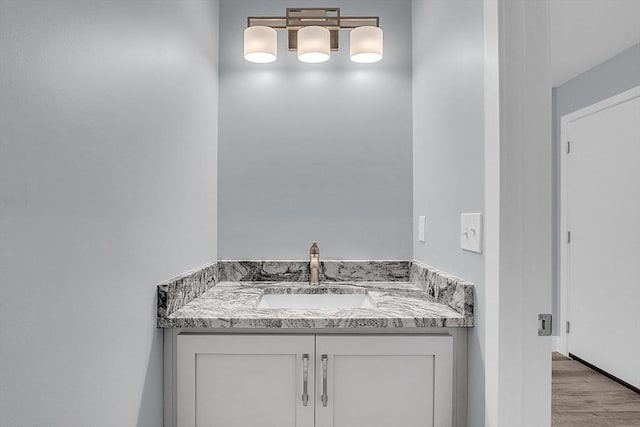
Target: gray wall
{"x": 107, "y": 186}
{"x": 447, "y": 128}
{"x": 315, "y": 151}
{"x": 448, "y": 132}
{"x": 618, "y": 74}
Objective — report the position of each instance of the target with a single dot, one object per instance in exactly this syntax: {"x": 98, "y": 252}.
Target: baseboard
{"x": 555, "y": 343}
{"x": 605, "y": 373}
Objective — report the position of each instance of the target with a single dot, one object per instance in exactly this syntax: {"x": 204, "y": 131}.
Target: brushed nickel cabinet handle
{"x": 325, "y": 396}
{"x": 305, "y": 379}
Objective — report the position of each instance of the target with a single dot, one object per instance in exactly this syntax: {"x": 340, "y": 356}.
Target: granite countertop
{"x": 233, "y": 305}
{"x": 226, "y": 294}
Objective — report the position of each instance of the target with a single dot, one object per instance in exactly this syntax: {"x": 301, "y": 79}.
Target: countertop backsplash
{"x": 439, "y": 287}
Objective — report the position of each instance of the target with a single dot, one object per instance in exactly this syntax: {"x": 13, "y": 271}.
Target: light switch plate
{"x": 421, "y": 223}
{"x": 471, "y": 232}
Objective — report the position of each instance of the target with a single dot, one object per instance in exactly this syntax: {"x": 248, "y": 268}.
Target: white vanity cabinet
{"x": 314, "y": 380}
{"x": 244, "y": 380}
{"x": 389, "y": 381}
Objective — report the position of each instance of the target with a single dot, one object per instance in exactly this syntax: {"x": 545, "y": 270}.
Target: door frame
{"x": 563, "y": 314}
{"x": 518, "y": 209}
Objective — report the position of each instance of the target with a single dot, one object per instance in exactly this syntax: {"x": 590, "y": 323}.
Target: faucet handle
{"x": 314, "y": 250}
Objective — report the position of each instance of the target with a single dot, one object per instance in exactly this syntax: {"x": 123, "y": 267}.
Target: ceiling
{"x": 585, "y": 33}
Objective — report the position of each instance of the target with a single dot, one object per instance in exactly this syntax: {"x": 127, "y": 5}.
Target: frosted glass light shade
{"x": 260, "y": 44}
{"x": 366, "y": 44}
{"x": 314, "y": 44}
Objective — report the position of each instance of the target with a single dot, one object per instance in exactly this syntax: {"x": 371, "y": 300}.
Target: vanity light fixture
{"x": 260, "y": 44}
{"x": 313, "y": 33}
{"x": 366, "y": 44}
{"x": 314, "y": 44}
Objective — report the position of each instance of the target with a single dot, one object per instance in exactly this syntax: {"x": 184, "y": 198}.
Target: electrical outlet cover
{"x": 421, "y": 221}
{"x": 471, "y": 232}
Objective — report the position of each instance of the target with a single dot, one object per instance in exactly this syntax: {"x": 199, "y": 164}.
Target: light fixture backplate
{"x": 328, "y": 17}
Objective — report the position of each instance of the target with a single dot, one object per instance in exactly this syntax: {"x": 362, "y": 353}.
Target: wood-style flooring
{"x": 584, "y": 398}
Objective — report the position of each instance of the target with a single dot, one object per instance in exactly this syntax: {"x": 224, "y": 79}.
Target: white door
{"x": 245, "y": 381}
{"x": 603, "y": 207}
{"x": 384, "y": 381}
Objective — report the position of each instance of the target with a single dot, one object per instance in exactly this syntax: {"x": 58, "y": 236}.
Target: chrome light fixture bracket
{"x": 328, "y": 17}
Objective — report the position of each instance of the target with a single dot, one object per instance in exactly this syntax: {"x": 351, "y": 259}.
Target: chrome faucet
{"x": 314, "y": 264}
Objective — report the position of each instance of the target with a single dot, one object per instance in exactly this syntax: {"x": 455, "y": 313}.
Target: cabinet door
{"x": 384, "y": 381}
{"x": 244, "y": 381}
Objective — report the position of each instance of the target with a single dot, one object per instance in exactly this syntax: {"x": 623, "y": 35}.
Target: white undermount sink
{"x": 316, "y": 301}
